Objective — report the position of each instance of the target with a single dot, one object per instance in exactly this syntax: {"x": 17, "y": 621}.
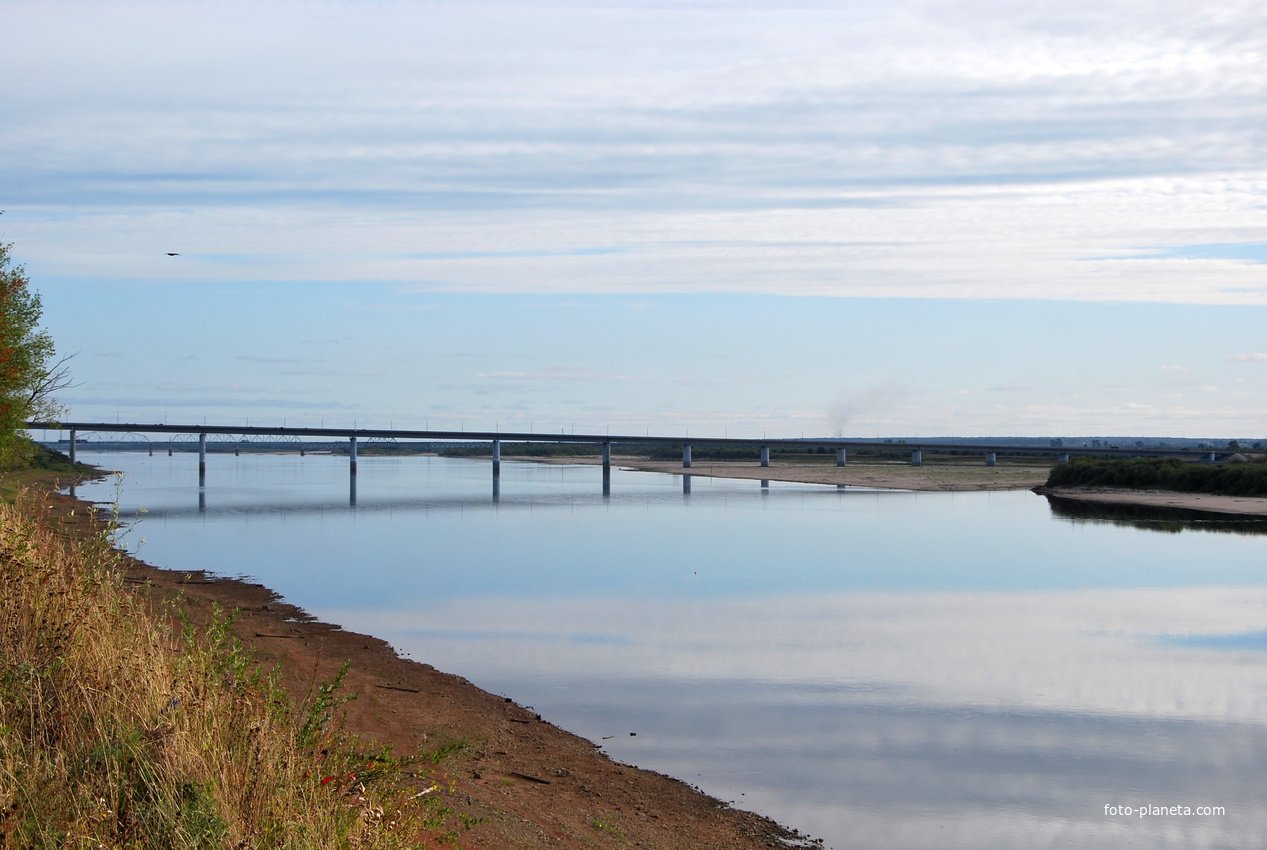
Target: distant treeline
{"x": 1225, "y": 479}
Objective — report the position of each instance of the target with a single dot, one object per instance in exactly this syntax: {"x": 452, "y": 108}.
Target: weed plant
{"x": 119, "y": 730}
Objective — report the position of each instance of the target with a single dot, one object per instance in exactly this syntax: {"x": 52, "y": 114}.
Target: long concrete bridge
{"x": 760, "y": 446}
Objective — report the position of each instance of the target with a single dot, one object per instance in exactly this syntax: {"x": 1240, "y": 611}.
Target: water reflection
{"x": 889, "y": 670}
{"x": 901, "y": 720}
{"x": 1163, "y": 519}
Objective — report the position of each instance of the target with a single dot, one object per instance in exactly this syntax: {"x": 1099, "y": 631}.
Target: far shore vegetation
{"x": 1245, "y": 478}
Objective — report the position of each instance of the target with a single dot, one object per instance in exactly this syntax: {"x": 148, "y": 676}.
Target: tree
{"x": 29, "y": 375}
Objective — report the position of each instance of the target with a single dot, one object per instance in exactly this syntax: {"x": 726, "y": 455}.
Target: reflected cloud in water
{"x": 891, "y": 670}
{"x": 902, "y": 721}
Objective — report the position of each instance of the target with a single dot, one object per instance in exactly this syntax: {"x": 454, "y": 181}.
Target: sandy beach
{"x": 944, "y": 477}
{"x": 948, "y": 477}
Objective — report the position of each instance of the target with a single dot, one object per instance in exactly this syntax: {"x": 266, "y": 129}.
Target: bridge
{"x": 759, "y": 446}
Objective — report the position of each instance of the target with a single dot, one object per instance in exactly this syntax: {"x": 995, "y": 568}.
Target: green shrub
{"x": 1225, "y": 479}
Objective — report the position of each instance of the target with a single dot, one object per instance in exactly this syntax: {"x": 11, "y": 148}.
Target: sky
{"x": 709, "y": 216}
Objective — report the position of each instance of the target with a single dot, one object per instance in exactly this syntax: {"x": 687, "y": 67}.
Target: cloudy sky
{"x": 733, "y": 217}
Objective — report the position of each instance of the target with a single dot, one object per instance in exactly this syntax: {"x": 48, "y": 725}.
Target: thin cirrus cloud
{"x": 1027, "y": 154}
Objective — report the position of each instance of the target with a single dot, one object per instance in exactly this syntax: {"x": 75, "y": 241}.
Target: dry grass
{"x": 119, "y": 730}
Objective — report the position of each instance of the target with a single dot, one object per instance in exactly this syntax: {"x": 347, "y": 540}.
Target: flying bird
{"x": 172, "y": 254}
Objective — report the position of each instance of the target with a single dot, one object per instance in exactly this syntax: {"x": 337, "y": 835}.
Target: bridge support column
{"x": 765, "y": 455}
{"x": 917, "y": 457}
{"x": 1063, "y": 457}
{"x": 352, "y": 456}
{"x": 607, "y": 469}
{"x": 686, "y": 455}
{"x": 72, "y": 445}
{"x": 1211, "y": 457}
{"x": 202, "y": 459}
{"x": 497, "y": 458}
{"x": 840, "y": 457}
{"x": 991, "y": 458}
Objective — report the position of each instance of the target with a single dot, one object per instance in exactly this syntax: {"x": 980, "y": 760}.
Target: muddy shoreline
{"x": 529, "y": 783}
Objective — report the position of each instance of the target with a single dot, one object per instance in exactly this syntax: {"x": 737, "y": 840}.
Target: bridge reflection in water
{"x": 300, "y": 439}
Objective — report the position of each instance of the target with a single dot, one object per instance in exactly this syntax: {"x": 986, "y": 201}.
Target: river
{"x": 878, "y": 669}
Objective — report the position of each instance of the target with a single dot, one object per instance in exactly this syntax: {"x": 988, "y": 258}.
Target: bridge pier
{"x": 202, "y": 459}
{"x": 917, "y": 457}
{"x": 352, "y": 456}
{"x": 686, "y": 457}
{"x": 497, "y": 459}
{"x": 607, "y": 469}
{"x": 840, "y": 457}
{"x": 765, "y": 455}
{"x": 1211, "y": 458}
{"x": 1063, "y": 457}
{"x": 991, "y": 458}
{"x": 72, "y": 445}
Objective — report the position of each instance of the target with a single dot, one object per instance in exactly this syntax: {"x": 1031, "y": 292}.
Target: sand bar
{"x": 893, "y": 476}
{"x": 938, "y": 477}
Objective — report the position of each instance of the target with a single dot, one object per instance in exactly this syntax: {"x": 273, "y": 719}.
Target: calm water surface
{"x": 878, "y": 669}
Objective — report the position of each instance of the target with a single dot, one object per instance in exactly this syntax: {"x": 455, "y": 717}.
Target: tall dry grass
{"x": 118, "y": 730}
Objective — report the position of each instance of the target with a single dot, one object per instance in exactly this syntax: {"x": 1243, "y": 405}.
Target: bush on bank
{"x": 1225, "y": 479}
{"x": 119, "y": 730}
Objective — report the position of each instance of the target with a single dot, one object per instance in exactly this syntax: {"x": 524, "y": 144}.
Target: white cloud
{"x": 906, "y": 152}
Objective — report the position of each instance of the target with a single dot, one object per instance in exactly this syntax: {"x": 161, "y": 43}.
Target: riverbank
{"x": 520, "y": 781}
{"x": 933, "y": 477}
{"x": 1248, "y": 506}
{"x": 938, "y": 477}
